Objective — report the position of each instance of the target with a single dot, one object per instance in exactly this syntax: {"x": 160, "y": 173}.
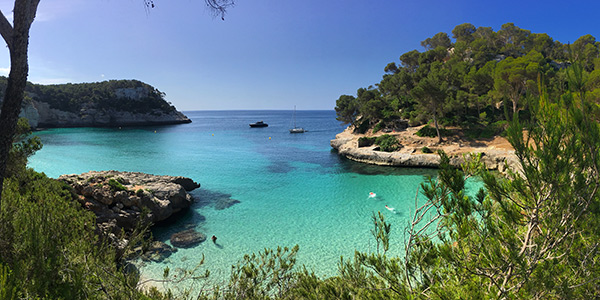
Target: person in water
{"x": 214, "y": 239}
{"x": 390, "y": 208}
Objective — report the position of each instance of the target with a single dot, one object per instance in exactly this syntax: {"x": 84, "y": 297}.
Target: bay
{"x": 293, "y": 189}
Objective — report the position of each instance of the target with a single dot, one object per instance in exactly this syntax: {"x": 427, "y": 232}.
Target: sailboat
{"x": 296, "y": 129}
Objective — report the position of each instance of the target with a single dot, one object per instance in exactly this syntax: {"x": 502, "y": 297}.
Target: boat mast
{"x": 294, "y": 116}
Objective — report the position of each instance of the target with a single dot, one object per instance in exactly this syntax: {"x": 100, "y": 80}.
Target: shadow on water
{"x": 207, "y": 198}
{"x": 180, "y": 221}
{"x": 280, "y": 167}
{"x": 350, "y": 166}
{"x": 190, "y": 218}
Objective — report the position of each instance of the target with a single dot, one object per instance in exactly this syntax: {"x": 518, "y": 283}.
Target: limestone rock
{"x": 118, "y": 198}
{"x": 410, "y": 155}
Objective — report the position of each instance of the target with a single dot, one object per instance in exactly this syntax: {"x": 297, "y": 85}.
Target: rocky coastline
{"x": 41, "y": 115}
{"x": 496, "y": 153}
{"x": 122, "y": 200}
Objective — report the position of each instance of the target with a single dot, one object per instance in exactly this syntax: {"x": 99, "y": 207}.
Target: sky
{"x": 266, "y": 54}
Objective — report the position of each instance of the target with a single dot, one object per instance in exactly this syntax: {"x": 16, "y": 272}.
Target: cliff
{"x": 101, "y": 104}
{"x": 497, "y": 153}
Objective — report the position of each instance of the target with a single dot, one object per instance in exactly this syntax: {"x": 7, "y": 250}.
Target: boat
{"x": 296, "y": 129}
{"x": 259, "y": 124}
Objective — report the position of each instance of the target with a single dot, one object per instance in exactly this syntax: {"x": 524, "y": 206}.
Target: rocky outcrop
{"x": 41, "y": 115}
{"x": 410, "y": 153}
{"x": 121, "y": 200}
{"x": 110, "y": 103}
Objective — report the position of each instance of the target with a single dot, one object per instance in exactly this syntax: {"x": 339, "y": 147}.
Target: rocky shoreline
{"x": 122, "y": 200}
{"x": 40, "y": 115}
{"x": 495, "y": 155}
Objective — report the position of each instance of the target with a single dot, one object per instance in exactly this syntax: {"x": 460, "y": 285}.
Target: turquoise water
{"x": 293, "y": 189}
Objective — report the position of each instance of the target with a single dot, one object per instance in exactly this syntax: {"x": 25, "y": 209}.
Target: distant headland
{"x": 110, "y": 103}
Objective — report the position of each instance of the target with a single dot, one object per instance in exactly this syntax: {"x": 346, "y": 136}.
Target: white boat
{"x": 296, "y": 129}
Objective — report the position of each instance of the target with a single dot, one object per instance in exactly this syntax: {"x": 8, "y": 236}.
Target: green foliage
{"x": 486, "y": 132}
{"x": 387, "y": 143}
{"x": 378, "y": 127}
{"x": 115, "y": 185}
{"x": 24, "y": 146}
{"x": 104, "y": 95}
{"x": 366, "y": 141}
{"x": 363, "y": 126}
{"x": 268, "y": 275}
{"x": 346, "y": 109}
{"x": 453, "y": 83}
{"x": 49, "y": 248}
{"x": 426, "y": 149}
{"x": 428, "y": 131}
{"x": 50, "y": 243}
{"x": 8, "y": 288}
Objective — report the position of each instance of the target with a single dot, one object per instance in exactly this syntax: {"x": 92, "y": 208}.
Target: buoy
{"x": 154, "y": 131}
{"x": 213, "y": 134}
{"x": 269, "y": 137}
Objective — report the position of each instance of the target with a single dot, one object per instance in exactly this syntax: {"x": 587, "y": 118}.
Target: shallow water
{"x": 293, "y": 189}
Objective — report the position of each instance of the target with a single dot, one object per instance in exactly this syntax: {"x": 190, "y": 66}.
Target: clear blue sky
{"x": 267, "y": 54}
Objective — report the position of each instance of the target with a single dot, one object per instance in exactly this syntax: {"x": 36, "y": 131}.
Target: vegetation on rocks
{"x": 477, "y": 79}
{"x": 105, "y": 95}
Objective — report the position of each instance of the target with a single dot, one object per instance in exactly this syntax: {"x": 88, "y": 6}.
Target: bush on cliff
{"x": 387, "y": 143}
{"x": 365, "y": 141}
{"x": 115, "y": 185}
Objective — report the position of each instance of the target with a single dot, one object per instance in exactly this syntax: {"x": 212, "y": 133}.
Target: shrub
{"x": 366, "y": 141}
{"x": 116, "y": 186}
{"x": 50, "y": 245}
{"x": 486, "y": 132}
{"x": 426, "y": 150}
{"x": 387, "y": 143}
{"x": 428, "y": 131}
{"x": 378, "y": 127}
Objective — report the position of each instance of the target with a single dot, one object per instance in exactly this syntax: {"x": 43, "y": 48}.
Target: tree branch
{"x": 6, "y": 30}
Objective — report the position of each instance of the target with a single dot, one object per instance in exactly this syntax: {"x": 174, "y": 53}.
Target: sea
{"x": 293, "y": 189}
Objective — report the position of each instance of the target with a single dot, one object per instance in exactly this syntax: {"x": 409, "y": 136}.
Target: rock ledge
{"x": 121, "y": 199}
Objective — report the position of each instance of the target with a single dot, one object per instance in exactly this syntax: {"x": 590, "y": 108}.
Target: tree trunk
{"x": 17, "y": 39}
{"x": 437, "y": 129}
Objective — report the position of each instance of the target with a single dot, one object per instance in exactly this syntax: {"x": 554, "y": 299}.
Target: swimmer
{"x": 372, "y": 195}
{"x": 214, "y": 239}
{"x": 391, "y": 209}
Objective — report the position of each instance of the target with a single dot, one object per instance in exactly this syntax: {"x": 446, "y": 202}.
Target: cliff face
{"x": 100, "y": 104}
{"x": 41, "y": 115}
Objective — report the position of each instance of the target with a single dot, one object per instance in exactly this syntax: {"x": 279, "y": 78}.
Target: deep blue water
{"x": 293, "y": 189}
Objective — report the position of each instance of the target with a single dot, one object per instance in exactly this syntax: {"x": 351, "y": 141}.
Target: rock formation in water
{"x": 121, "y": 200}
{"x": 101, "y": 104}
